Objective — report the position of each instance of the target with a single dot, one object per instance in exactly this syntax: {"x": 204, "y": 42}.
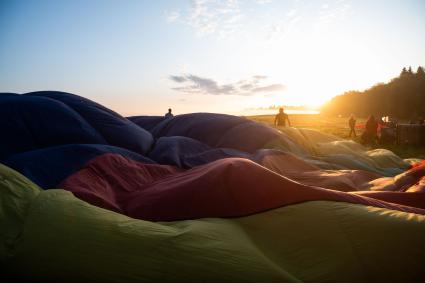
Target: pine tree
{"x": 403, "y": 72}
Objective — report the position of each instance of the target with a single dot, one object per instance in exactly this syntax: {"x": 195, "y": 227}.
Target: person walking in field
{"x": 352, "y": 124}
{"x": 370, "y": 134}
{"x": 281, "y": 117}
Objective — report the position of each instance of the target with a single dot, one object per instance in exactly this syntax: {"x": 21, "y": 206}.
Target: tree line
{"x": 403, "y": 97}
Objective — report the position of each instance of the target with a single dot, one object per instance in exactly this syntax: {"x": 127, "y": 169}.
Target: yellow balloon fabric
{"x": 51, "y": 236}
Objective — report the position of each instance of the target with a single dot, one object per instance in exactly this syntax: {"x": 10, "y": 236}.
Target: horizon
{"x": 207, "y": 56}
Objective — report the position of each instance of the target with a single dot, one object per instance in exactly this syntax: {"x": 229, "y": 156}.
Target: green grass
{"x": 338, "y": 126}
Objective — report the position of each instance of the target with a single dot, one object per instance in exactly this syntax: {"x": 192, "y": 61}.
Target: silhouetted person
{"x": 352, "y": 124}
{"x": 371, "y": 130}
{"x": 169, "y": 114}
{"x": 280, "y": 119}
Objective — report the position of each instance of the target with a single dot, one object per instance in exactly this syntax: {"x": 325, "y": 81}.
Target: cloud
{"x": 333, "y": 11}
{"x": 226, "y": 18}
{"x": 246, "y": 87}
{"x": 173, "y": 16}
{"x": 194, "y": 84}
{"x": 317, "y": 15}
{"x": 178, "y": 79}
{"x": 291, "y": 13}
{"x": 201, "y": 85}
{"x": 222, "y": 17}
{"x": 286, "y": 25}
{"x": 262, "y": 2}
{"x": 269, "y": 88}
{"x": 259, "y": 77}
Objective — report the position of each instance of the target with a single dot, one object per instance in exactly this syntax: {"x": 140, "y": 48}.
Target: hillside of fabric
{"x": 228, "y": 187}
{"x": 52, "y": 236}
{"x": 87, "y": 195}
{"x": 189, "y": 140}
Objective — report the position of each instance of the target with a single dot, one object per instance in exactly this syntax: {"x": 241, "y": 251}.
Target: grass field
{"x": 339, "y": 127}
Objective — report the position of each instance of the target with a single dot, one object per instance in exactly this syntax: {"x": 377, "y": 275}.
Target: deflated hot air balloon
{"x": 87, "y": 195}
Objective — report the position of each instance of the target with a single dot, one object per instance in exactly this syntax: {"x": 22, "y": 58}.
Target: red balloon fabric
{"x": 413, "y": 199}
{"x": 230, "y": 187}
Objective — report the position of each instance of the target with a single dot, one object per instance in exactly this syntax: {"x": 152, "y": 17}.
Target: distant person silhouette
{"x": 281, "y": 117}
{"x": 169, "y": 114}
{"x": 371, "y": 131}
{"x": 352, "y": 124}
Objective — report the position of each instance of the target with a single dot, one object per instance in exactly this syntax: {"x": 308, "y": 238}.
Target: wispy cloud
{"x": 193, "y": 84}
{"x": 178, "y": 79}
{"x": 308, "y": 15}
{"x": 269, "y": 88}
{"x": 291, "y": 13}
{"x": 285, "y": 25}
{"x": 262, "y": 2}
{"x": 208, "y": 17}
{"x": 333, "y": 11}
{"x": 222, "y": 17}
{"x": 173, "y": 16}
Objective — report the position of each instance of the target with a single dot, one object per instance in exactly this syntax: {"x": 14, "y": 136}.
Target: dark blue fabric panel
{"x": 116, "y": 130}
{"x": 248, "y": 137}
{"x": 186, "y": 152}
{"x": 218, "y": 130}
{"x": 29, "y": 123}
{"x": 50, "y": 166}
{"x": 204, "y": 127}
{"x": 146, "y": 122}
{"x": 4, "y": 94}
{"x": 173, "y": 150}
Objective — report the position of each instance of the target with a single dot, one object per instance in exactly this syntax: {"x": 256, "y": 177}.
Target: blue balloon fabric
{"x": 116, "y": 130}
{"x": 146, "y": 122}
{"x": 29, "y": 123}
{"x": 186, "y": 152}
{"x": 47, "y": 167}
{"x": 173, "y": 150}
{"x": 218, "y": 130}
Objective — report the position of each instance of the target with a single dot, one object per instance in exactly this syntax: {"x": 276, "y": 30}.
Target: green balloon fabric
{"x": 51, "y": 236}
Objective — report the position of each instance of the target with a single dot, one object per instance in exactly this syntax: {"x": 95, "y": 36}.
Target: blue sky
{"x": 142, "y": 57}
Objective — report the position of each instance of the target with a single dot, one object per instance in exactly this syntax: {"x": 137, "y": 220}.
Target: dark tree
{"x": 402, "y": 97}
{"x": 403, "y": 72}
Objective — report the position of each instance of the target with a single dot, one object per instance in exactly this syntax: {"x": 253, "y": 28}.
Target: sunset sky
{"x": 142, "y": 57}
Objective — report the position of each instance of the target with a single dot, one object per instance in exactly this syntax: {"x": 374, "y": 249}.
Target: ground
{"x": 339, "y": 126}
